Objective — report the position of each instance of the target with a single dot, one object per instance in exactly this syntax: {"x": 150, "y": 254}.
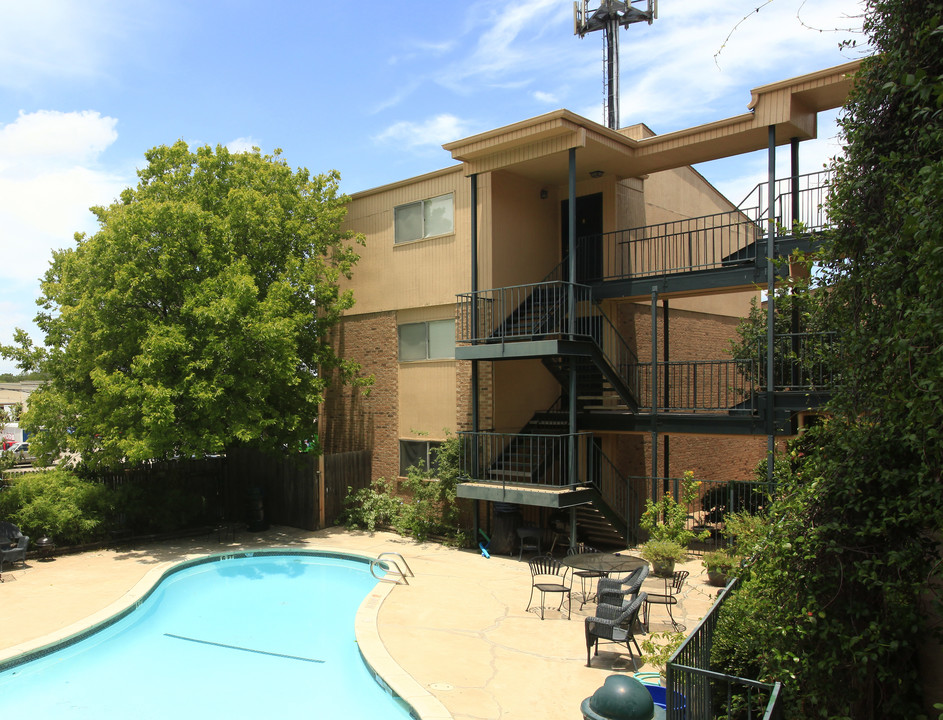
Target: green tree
{"x": 837, "y": 604}
{"x": 198, "y": 316}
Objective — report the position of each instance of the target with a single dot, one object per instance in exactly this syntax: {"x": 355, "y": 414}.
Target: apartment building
{"x": 564, "y": 299}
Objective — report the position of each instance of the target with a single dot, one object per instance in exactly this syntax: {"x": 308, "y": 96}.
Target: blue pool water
{"x": 237, "y": 637}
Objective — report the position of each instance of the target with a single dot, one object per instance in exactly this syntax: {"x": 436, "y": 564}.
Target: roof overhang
{"x": 538, "y": 147}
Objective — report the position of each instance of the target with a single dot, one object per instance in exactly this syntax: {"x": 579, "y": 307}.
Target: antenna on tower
{"x": 608, "y": 17}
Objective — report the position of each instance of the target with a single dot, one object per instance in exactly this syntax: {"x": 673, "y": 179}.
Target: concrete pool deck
{"x": 458, "y": 631}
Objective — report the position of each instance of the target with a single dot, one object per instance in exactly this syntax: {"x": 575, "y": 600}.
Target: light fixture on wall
{"x": 596, "y": 174}
{"x": 543, "y": 193}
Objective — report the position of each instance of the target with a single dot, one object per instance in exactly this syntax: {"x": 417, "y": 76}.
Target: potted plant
{"x": 662, "y": 554}
{"x": 666, "y": 521}
{"x": 720, "y": 566}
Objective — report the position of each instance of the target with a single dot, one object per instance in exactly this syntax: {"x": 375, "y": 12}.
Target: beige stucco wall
{"x": 420, "y": 273}
{"x": 521, "y": 388}
{"x": 427, "y": 396}
{"x": 524, "y": 228}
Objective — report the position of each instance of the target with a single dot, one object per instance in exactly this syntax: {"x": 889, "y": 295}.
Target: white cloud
{"x": 545, "y": 97}
{"x": 43, "y": 140}
{"x": 513, "y": 41}
{"x": 56, "y": 39}
{"x": 243, "y": 144}
{"x": 50, "y": 175}
{"x": 434, "y": 132}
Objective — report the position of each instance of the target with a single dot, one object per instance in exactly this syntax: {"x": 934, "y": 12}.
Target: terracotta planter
{"x": 663, "y": 568}
{"x": 716, "y": 578}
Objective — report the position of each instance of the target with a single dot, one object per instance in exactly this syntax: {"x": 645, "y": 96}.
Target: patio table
{"x": 602, "y": 565}
{"x": 604, "y": 562}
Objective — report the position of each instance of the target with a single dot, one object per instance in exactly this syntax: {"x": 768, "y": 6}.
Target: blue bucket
{"x": 659, "y": 697}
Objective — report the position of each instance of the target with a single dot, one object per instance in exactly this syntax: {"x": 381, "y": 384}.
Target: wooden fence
{"x": 244, "y": 486}
{"x": 342, "y": 471}
{"x": 286, "y": 486}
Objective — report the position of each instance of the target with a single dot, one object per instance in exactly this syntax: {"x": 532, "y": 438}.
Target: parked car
{"x": 21, "y": 453}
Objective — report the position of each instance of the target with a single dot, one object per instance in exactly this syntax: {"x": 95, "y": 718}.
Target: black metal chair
{"x": 549, "y": 575}
{"x": 614, "y": 624}
{"x": 560, "y": 528}
{"x": 669, "y": 598}
{"x": 617, "y": 592}
{"x": 528, "y": 538}
{"x": 585, "y": 575}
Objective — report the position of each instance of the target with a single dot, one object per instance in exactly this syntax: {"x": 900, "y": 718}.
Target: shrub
{"x": 371, "y": 507}
{"x": 657, "y": 648}
{"x": 428, "y": 505}
{"x": 56, "y": 503}
{"x": 667, "y": 519}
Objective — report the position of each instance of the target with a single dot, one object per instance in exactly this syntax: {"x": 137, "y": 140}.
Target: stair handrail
{"x": 814, "y": 181}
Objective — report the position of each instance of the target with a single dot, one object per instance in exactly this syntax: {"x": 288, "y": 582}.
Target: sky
{"x": 371, "y": 90}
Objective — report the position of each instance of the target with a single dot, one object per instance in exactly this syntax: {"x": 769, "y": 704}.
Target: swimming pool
{"x": 238, "y": 636}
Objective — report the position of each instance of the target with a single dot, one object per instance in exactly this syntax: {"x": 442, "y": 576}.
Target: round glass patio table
{"x": 604, "y": 562}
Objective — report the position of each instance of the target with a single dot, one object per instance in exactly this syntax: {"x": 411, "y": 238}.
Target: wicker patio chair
{"x": 614, "y": 625}
{"x": 17, "y": 554}
{"x": 549, "y": 575}
{"x": 669, "y": 598}
{"x": 618, "y": 592}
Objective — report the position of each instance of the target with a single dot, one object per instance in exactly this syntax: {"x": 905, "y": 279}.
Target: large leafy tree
{"x": 843, "y": 596}
{"x": 198, "y": 316}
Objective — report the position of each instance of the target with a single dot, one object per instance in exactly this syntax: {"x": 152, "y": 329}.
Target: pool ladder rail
{"x": 394, "y": 573}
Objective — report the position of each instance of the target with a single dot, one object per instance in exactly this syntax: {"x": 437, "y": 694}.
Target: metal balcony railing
{"x": 694, "y": 386}
{"x": 801, "y": 362}
{"x": 515, "y": 459}
{"x": 702, "y": 243}
{"x": 715, "y": 241}
{"x": 552, "y": 309}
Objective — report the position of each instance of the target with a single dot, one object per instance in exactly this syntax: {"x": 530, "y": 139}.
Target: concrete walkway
{"x": 459, "y": 629}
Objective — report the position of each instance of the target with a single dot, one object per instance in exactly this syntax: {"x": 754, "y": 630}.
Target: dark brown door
{"x": 588, "y": 237}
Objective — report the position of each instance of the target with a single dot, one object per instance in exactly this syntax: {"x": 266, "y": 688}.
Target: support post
{"x": 770, "y": 307}
{"x": 796, "y": 209}
{"x": 654, "y": 309}
{"x": 667, "y": 383}
{"x": 571, "y": 308}
{"x": 474, "y": 335}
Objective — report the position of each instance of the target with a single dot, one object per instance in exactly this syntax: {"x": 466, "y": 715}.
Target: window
{"x": 427, "y": 340}
{"x": 423, "y": 219}
{"x": 417, "y": 452}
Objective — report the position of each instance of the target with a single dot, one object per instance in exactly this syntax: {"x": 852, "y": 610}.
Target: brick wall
{"x": 357, "y": 420}
{"x": 693, "y": 336}
{"x": 463, "y": 396}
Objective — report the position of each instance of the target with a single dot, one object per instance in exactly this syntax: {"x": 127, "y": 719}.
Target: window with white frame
{"x": 417, "y": 452}
{"x": 423, "y": 219}
{"x": 431, "y": 340}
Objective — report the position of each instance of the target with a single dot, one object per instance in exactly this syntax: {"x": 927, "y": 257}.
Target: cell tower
{"x": 609, "y": 17}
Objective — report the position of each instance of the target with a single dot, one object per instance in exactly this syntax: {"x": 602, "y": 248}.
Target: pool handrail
{"x": 391, "y": 567}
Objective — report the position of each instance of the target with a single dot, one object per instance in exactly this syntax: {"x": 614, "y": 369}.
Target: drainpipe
{"x": 770, "y": 309}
